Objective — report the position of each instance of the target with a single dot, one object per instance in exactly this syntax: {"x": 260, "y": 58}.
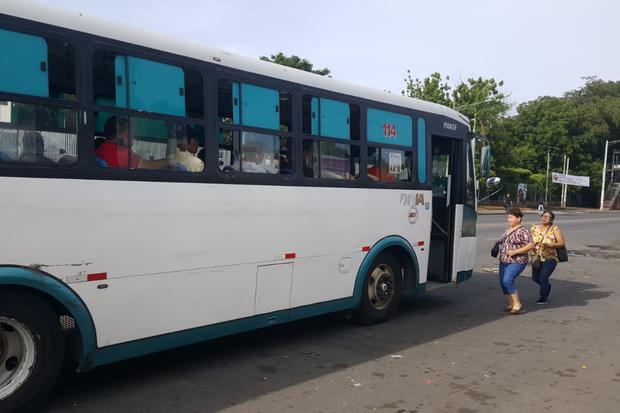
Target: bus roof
{"x": 32, "y": 10}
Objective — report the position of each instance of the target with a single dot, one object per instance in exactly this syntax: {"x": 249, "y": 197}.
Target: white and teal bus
{"x": 155, "y": 194}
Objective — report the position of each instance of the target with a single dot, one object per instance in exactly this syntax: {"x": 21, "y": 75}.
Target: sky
{"x": 537, "y": 47}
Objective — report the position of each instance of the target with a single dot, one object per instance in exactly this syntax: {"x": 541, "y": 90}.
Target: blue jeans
{"x": 508, "y": 273}
{"x": 541, "y": 277}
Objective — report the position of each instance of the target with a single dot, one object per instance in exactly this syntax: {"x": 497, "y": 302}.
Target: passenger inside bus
{"x": 34, "y": 149}
{"x": 284, "y": 165}
{"x": 193, "y": 145}
{"x": 114, "y": 150}
{"x": 253, "y": 156}
{"x": 184, "y": 159}
{"x": 308, "y": 161}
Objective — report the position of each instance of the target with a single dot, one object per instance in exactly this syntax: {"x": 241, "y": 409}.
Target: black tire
{"x": 41, "y": 322}
{"x": 380, "y": 296}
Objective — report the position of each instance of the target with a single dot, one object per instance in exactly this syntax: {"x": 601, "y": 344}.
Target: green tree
{"x": 432, "y": 88}
{"x": 479, "y": 99}
{"x": 296, "y": 62}
{"x": 482, "y": 101}
{"x": 574, "y": 125}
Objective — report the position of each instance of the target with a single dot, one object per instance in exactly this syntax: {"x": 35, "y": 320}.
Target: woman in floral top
{"x": 547, "y": 237}
{"x": 514, "y": 245}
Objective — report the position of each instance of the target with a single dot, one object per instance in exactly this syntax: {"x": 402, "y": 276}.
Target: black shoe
{"x": 541, "y": 301}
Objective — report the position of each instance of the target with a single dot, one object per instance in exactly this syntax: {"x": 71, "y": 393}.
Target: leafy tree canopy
{"x": 479, "y": 99}
{"x": 574, "y": 125}
{"x": 296, "y": 62}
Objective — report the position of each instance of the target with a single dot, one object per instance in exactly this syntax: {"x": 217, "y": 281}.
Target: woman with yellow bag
{"x": 547, "y": 239}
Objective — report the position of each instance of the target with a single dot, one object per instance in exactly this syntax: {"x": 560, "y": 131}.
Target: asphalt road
{"x": 452, "y": 350}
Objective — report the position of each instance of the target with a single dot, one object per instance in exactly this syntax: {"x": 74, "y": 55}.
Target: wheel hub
{"x": 381, "y": 287}
{"x": 17, "y": 355}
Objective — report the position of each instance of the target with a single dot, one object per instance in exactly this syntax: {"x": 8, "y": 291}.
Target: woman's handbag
{"x": 535, "y": 261}
{"x": 562, "y": 254}
{"x": 495, "y": 250}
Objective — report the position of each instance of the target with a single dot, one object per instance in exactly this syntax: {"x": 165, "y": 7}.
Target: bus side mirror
{"x": 493, "y": 182}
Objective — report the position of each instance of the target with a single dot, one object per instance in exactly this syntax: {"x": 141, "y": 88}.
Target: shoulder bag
{"x": 495, "y": 250}
{"x": 562, "y": 252}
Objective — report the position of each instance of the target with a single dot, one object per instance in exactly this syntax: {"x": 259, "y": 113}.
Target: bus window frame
{"x": 233, "y": 75}
{"x": 90, "y": 107}
{"x": 39, "y": 29}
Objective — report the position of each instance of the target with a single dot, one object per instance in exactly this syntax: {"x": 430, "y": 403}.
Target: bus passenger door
{"x": 273, "y": 294}
{"x": 444, "y": 177}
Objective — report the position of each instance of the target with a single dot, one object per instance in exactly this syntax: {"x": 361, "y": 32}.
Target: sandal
{"x": 516, "y": 311}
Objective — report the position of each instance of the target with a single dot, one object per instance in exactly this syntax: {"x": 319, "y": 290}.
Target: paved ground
{"x": 452, "y": 350}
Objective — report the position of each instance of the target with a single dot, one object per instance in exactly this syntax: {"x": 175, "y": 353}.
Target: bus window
{"x": 330, "y": 118}
{"x": 386, "y": 164}
{"x": 139, "y": 143}
{"x": 389, "y": 165}
{"x": 145, "y": 85}
{"x": 255, "y": 106}
{"x": 250, "y": 152}
{"x": 331, "y": 160}
{"x": 37, "y": 134}
{"x": 36, "y": 66}
{"x": 337, "y": 157}
{"x": 42, "y": 134}
{"x": 389, "y": 128}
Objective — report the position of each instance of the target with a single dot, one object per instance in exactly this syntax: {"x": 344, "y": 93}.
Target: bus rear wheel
{"x": 381, "y": 290}
{"x": 31, "y": 351}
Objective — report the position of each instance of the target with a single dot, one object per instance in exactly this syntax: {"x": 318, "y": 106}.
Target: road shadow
{"x": 212, "y": 376}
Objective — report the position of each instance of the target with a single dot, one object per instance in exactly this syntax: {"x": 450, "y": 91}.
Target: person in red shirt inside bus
{"x": 114, "y": 150}
{"x": 380, "y": 174}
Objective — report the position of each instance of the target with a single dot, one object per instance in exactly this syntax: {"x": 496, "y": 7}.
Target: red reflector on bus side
{"x": 420, "y": 243}
{"x": 289, "y": 255}
{"x": 366, "y": 248}
{"x": 98, "y": 276}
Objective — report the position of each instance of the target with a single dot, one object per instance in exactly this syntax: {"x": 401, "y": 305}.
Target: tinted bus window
{"x": 389, "y": 128}
{"x": 245, "y": 104}
{"x": 36, "y": 66}
{"x": 330, "y": 118}
{"x": 145, "y": 85}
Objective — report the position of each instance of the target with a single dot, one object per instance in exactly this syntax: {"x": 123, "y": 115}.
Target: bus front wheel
{"x": 381, "y": 290}
{"x": 31, "y": 350}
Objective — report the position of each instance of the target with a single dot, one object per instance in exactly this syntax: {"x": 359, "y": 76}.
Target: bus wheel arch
{"x": 392, "y": 258}
{"x": 72, "y": 316}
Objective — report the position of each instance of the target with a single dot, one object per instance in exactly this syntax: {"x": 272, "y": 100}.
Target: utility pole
{"x": 603, "y": 180}
{"x": 547, "y": 180}
{"x": 565, "y": 192}
{"x": 563, "y": 173}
